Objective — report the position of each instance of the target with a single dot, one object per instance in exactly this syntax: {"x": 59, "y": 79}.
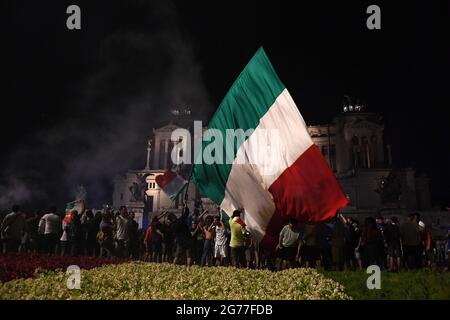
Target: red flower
{"x": 24, "y": 265}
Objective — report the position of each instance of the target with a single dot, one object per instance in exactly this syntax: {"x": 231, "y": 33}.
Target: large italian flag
{"x": 299, "y": 182}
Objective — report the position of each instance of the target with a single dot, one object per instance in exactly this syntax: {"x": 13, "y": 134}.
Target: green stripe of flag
{"x": 174, "y": 196}
{"x": 225, "y": 218}
{"x": 248, "y": 99}
{"x": 70, "y": 205}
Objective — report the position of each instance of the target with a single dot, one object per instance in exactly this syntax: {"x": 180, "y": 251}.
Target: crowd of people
{"x": 207, "y": 239}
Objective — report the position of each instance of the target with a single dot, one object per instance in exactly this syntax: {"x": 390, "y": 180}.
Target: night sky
{"x": 78, "y": 106}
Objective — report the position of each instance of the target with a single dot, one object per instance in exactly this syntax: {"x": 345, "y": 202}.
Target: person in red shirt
{"x": 426, "y": 243}
{"x": 148, "y": 244}
{"x": 153, "y": 242}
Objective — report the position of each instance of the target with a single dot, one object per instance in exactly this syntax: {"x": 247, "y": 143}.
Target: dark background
{"x": 78, "y": 106}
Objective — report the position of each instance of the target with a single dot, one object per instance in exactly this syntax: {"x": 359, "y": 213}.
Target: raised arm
{"x": 195, "y": 230}
{"x": 42, "y": 223}
{"x": 83, "y": 207}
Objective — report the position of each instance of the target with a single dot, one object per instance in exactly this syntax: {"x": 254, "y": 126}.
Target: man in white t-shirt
{"x": 289, "y": 244}
{"x": 51, "y": 224}
{"x": 220, "y": 240}
{"x": 122, "y": 234}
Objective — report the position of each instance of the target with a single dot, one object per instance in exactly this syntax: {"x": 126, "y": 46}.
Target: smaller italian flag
{"x": 225, "y": 218}
{"x": 171, "y": 183}
{"x": 74, "y": 205}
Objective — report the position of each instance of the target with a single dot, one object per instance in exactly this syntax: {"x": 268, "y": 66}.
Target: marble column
{"x": 166, "y": 154}
{"x": 156, "y": 163}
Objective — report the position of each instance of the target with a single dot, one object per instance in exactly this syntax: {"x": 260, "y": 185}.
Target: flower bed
{"x": 23, "y": 265}
{"x": 138, "y": 280}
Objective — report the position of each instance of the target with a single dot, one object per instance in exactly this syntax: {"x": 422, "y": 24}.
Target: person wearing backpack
{"x": 12, "y": 229}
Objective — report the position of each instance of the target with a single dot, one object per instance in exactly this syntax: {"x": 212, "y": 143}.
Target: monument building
{"x": 352, "y": 143}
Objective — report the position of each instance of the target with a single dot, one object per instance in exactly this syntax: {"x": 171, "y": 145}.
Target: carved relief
{"x": 138, "y": 188}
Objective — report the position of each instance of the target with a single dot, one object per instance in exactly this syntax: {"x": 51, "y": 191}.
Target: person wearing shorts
{"x": 289, "y": 244}
{"x": 183, "y": 249}
{"x": 220, "y": 241}
{"x": 310, "y": 250}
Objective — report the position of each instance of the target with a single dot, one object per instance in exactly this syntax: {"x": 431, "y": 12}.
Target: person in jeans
{"x": 122, "y": 237}
{"x": 51, "y": 224}
{"x": 105, "y": 235}
{"x": 237, "y": 244}
{"x": 208, "y": 245}
{"x": 410, "y": 236}
{"x": 12, "y": 229}
{"x": 393, "y": 240}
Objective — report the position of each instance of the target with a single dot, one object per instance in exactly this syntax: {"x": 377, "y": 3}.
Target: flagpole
{"x": 187, "y": 186}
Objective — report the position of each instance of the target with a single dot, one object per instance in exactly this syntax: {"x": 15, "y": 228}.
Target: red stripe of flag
{"x": 307, "y": 191}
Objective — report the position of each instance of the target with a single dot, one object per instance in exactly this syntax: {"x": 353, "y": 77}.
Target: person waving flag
{"x": 274, "y": 170}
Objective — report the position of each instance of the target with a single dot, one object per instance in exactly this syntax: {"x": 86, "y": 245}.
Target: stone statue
{"x": 134, "y": 190}
{"x": 389, "y": 188}
{"x": 138, "y": 188}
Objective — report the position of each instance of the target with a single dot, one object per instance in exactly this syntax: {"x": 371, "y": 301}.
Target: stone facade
{"x": 354, "y": 147}
{"x": 136, "y": 188}
{"x": 352, "y": 144}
